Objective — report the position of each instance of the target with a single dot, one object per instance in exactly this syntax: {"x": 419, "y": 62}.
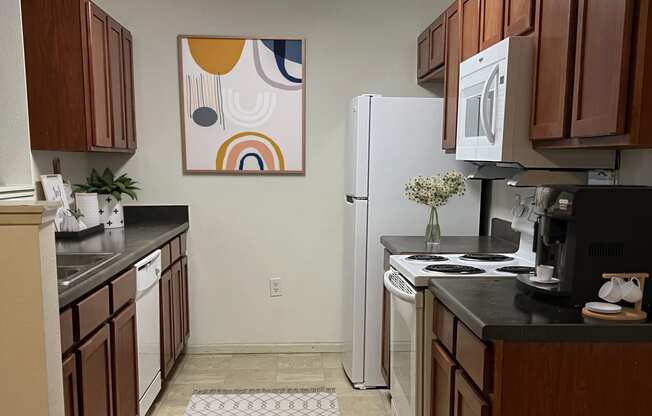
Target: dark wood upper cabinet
{"x": 167, "y": 346}
{"x": 469, "y": 11}
{"x": 468, "y": 402}
{"x": 437, "y": 43}
{"x": 602, "y": 67}
{"x": 451, "y": 77}
{"x": 519, "y": 17}
{"x": 98, "y": 26}
{"x": 554, "y": 60}
{"x": 130, "y": 102}
{"x": 116, "y": 77}
{"x": 76, "y": 78}
{"x": 423, "y": 51}
{"x": 70, "y": 387}
{"x": 124, "y": 346}
{"x": 491, "y": 22}
{"x": 96, "y": 388}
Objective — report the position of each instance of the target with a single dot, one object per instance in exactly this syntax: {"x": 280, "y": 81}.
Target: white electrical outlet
{"x": 275, "y": 288}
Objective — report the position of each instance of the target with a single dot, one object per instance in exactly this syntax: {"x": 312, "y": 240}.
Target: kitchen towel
{"x": 261, "y": 402}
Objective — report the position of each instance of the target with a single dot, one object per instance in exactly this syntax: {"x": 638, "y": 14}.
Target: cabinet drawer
{"x": 175, "y": 249}
{"x": 474, "y": 356}
{"x": 123, "y": 290}
{"x": 67, "y": 333}
{"x": 92, "y": 312}
{"x": 184, "y": 243}
{"x": 444, "y": 326}
{"x": 165, "y": 256}
{"x": 442, "y": 382}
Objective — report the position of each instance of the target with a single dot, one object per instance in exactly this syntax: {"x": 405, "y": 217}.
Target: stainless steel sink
{"x": 72, "y": 267}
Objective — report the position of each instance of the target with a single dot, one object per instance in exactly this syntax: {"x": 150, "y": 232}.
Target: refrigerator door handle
{"x": 351, "y": 199}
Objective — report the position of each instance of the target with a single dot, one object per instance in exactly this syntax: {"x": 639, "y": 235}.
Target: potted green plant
{"x": 110, "y": 190}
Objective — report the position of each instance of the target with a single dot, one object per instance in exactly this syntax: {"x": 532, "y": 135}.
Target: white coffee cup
{"x": 544, "y": 272}
{"x": 631, "y": 290}
{"x": 612, "y": 291}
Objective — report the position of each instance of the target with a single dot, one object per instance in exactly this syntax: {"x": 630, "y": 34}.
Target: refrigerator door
{"x": 357, "y": 147}
{"x": 405, "y": 141}
{"x": 355, "y": 261}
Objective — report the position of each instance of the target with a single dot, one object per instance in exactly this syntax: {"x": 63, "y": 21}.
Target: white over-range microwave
{"x": 493, "y": 118}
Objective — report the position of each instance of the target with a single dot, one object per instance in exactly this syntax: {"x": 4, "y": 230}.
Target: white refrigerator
{"x": 389, "y": 140}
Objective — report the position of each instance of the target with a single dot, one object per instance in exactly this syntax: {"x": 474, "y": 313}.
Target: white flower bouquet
{"x": 435, "y": 191}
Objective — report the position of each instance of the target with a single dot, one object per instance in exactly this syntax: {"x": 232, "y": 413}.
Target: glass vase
{"x": 433, "y": 230}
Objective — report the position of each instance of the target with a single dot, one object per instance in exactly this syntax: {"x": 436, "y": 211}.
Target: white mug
{"x": 544, "y": 272}
{"x": 612, "y": 291}
{"x": 631, "y": 291}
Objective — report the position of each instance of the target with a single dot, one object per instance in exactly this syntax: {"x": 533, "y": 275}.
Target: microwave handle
{"x": 484, "y": 118}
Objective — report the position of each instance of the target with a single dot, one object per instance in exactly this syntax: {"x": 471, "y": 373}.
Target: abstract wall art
{"x": 242, "y": 104}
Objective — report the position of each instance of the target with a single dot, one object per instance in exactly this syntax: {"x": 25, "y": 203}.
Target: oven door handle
{"x": 395, "y": 291}
{"x": 487, "y": 124}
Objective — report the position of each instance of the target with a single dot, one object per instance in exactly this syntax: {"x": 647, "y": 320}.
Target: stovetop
{"x": 418, "y": 270}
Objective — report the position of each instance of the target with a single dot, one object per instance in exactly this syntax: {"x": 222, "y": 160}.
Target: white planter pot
{"x": 111, "y": 211}
{"x": 88, "y": 204}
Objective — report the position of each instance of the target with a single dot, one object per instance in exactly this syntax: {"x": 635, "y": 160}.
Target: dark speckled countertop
{"x": 495, "y": 309}
{"x": 146, "y": 229}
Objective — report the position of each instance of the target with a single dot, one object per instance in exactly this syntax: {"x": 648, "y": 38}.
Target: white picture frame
{"x": 55, "y": 190}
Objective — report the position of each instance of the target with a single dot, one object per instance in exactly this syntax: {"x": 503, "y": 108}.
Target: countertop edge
{"x": 115, "y": 267}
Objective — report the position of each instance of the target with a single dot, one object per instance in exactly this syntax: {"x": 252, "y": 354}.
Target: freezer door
{"x": 355, "y": 273}
{"x": 357, "y": 147}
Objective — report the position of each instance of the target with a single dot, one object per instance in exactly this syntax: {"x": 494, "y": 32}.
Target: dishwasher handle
{"x": 398, "y": 287}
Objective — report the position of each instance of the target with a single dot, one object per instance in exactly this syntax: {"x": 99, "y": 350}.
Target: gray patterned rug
{"x": 258, "y": 402}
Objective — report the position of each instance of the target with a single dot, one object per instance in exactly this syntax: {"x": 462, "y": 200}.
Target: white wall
{"x": 245, "y": 230}
{"x": 14, "y": 127}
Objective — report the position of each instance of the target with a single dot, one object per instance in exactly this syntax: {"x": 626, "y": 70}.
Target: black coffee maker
{"x": 585, "y": 231}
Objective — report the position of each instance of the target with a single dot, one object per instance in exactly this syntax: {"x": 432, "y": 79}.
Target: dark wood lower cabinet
{"x": 385, "y": 357}
{"x": 167, "y": 346}
{"x": 70, "y": 393}
{"x": 442, "y": 382}
{"x": 177, "y": 308}
{"x": 124, "y": 343}
{"x": 185, "y": 307}
{"x": 96, "y": 386}
{"x": 468, "y": 402}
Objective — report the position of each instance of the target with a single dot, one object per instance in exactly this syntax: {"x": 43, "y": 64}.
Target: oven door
{"x": 405, "y": 374}
{"x": 479, "y": 119}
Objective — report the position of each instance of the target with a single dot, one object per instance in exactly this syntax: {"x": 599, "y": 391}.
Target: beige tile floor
{"x": 249, "y": 371}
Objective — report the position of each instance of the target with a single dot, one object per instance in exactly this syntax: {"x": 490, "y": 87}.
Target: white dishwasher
{"x": 148, "y": 322}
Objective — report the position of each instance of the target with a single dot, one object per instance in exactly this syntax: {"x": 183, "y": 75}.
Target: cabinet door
{"x": 95, "y": 372}
{"x": 554, "y": 58}
{"x": 469, "y": 11}
{"x": 451, "y": 77}
{"x": 519, "y": 16}
{"x": 124, "y": 345}
{"x": 385, "y": 360}
{"x": 437, "y": 43}
{"x": 116, "y": 84}
{"x": 423, "y": 51}
{"x": 604, "y": 34}
{"x": 167, "y": 346}
{"x": 443, "y": 382}
{"x": 185, "y": 300}
{"x": 468, "y": 402}
{"x": 70, "y": 398}
{"x": 177, "y": 318}
{"x": 99, "y": 75}
{"x": 128, "y": 73}
{"x": 491, "y": 22}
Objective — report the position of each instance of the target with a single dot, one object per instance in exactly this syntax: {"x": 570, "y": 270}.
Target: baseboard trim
{"x": 264, "y": 348}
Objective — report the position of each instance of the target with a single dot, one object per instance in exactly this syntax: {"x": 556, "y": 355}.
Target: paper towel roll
{"x": 88, "y": 205}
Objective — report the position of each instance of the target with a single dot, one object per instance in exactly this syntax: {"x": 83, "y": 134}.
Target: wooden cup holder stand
{"x": 635, "y": 314}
